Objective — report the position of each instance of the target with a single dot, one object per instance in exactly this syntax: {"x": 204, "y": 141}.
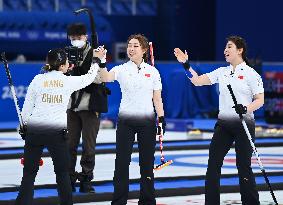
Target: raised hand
{"x": 180, "y": 55}
{"x": 100, "y": 53}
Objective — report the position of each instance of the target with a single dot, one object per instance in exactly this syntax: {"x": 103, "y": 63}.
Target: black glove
{"x": 161, "y": 125}
{"x": 186, "y": 65}
{"x": 240, "y": 109}
{"x": 23, "y": 131}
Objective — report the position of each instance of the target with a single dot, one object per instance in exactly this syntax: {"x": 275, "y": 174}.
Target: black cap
{"x": 76, "y": 29}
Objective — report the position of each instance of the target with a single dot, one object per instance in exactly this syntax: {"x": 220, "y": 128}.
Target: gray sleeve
{"x": 97, "y": 79}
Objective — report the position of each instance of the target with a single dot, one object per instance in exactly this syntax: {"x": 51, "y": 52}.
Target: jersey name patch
{"x": 47, "y": 98}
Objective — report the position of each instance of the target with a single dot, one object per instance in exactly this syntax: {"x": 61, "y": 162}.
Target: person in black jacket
{"x": 83, "y": 112}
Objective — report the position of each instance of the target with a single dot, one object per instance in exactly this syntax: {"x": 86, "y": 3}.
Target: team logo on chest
{"x": 241, "y": 77}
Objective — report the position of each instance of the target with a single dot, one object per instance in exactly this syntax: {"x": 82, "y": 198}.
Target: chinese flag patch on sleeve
{"x": 241, "y": 77}
{"x": 147, "y": 75}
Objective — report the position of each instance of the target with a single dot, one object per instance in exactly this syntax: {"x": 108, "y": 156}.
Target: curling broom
{"x": 162, "y": 159}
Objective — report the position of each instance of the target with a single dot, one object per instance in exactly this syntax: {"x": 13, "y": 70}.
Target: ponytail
{"x": 55, "y": 58}
{"x": 46, "y": 68}
{"x": 247, "y": 61}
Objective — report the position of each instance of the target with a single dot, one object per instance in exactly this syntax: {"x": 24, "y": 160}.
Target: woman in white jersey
{"x": 141, "y": 93}
{"x": 44, "y": 113}
{"x": 248, "y": 88}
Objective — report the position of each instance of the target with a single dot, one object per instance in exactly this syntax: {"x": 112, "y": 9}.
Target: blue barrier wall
{"x": 181, "y": 98}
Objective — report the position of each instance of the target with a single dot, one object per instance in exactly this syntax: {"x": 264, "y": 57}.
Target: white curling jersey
{"x": 137, "y": 86}
{"x": 245, "y": 82}
{"x": 48, "y": 96}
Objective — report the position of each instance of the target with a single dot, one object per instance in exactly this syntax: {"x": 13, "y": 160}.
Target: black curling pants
{"x": 226, "y": 132}
{"x": 57, "y": 147}
{"x": 125, "y": 137}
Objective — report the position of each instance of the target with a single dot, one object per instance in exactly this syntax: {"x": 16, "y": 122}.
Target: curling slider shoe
{"x": 162, "y": 165}
{"x": 40, "y": 162}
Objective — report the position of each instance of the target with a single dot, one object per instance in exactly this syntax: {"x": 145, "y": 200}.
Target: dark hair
{"x": 55, "y": 58}
{"x": 240, "y": 43}
{"x": 144, "y": 43}
{"x": 76, "y": 29}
